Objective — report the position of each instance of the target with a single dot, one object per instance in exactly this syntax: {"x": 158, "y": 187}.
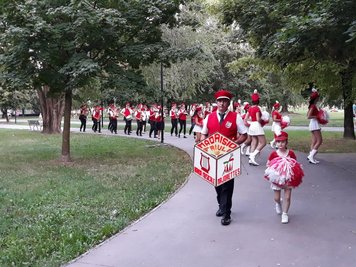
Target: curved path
{"x": 184, "y": 231}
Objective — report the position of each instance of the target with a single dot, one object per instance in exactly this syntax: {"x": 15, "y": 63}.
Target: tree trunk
{"x": 4, "y": 114}
{"x": 66, "y": 127}
{"x": 52, "y": 110}
{"x": 346, "y": 85}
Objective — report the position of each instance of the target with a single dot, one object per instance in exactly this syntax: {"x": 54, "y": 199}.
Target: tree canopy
{"x": 63, "y": 45}
{"x": 311, "y": 38}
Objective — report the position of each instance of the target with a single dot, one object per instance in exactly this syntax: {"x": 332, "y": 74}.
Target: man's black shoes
{"x": 226, "y": 220}
{"x": 219, "y": 213}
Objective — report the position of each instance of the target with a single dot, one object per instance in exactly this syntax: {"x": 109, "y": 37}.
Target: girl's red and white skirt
{"x": 284, "y": 172}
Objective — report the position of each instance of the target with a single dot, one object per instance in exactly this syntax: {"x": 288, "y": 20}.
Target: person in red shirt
{"x": 113, "y": 114}
{"x": 96, "y": 116}
{"x": 127, "y": 112}
{"x": 229, "y": 124}
{"x": 255, "y": 130}
{"x": 173, "y": 113}
{"x": 198, "y": 118}
{"x": 83, "y": 116}
{"x": 284, "y": 173}
{"x": 314, "y": 127}
{"x": 152, "y": 121}
{"x": 139, "y": 118}
{"x": 182, "y": 118}
{"x": 159, "y": 122}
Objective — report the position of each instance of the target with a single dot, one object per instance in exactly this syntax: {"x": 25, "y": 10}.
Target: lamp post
{"x": 162, "y": 131}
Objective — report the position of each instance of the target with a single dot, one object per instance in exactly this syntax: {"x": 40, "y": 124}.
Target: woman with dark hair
{"x": 314, "y": 127}
{"x": 258, "y": 139}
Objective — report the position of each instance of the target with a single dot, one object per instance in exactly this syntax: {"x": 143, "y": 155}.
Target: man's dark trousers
{"x": 224, "y": 196}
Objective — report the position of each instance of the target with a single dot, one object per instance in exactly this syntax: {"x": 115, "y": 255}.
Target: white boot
{"x": 247, "y": 152}
{"x": 317, "y": 161}
{"x": 243, "y": 145}
{"x": 311, "y": 156}
{"x": 252, "y": 157}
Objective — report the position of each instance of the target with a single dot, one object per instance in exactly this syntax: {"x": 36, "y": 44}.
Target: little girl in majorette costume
{"x": 284, "y": 172}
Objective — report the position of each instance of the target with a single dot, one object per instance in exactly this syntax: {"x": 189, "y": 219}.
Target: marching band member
{"x": 229, "y": 124}
{"x": 152, "y": 121}
{"x": 182, "y": 118}
{"x": 96, "y": 116}
{"x": 314, "y": 127}
{"x": 127, "y": 113}
{"x": 113, "y": 115}
{"x": 159, "y": 122}
{"x": 145, "y": 116}
{"x": 138, "y": 116}
{"x": 84, "y": 111}
{"x": 198, "y": 118}
{"x": 191, "y": 114}
{"x": 173, "y": 113}
{"x": 255, "y": 130}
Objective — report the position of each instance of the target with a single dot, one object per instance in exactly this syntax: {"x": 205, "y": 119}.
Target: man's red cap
{"x": 282, "y": 137}
{"x": 221, "y": 94}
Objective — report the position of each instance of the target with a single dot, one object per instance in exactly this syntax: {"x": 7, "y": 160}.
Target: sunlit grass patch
{"x": 52, "y": 212}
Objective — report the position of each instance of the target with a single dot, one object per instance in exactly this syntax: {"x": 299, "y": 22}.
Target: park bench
{"x": 34, "y": 124}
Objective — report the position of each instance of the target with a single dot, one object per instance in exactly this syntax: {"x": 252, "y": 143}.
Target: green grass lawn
{"x": 333, "y": 142}
{"x": 299, "y": 118}
{"x": 51, "y": 212}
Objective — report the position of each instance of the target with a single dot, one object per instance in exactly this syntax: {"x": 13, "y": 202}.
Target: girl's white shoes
{"x": 285, "y": 218}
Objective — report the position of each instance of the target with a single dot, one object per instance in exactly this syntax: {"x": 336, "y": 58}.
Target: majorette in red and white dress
{"x": 283, "y": 171}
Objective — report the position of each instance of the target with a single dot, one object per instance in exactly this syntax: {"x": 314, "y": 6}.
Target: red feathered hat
{"x": 282, "y": 137}
{"x": 221, "y": 94}
{"x": 246, "y": 106}
{"x": 276, "y": 105}
{"x": 255, "y": 96}
{"x": 314, "y": 94}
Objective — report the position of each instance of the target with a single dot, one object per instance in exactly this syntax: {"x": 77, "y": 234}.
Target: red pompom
{"x": 323, "y": 117}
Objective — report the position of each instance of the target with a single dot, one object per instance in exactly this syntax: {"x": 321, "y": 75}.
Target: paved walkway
{"x": 184, "y": 231}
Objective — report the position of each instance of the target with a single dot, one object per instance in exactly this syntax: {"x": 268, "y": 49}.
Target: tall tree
{"x": 59, "y": 46}
{"x": 203, "y": 49}
{"x": 299, "y": 32}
